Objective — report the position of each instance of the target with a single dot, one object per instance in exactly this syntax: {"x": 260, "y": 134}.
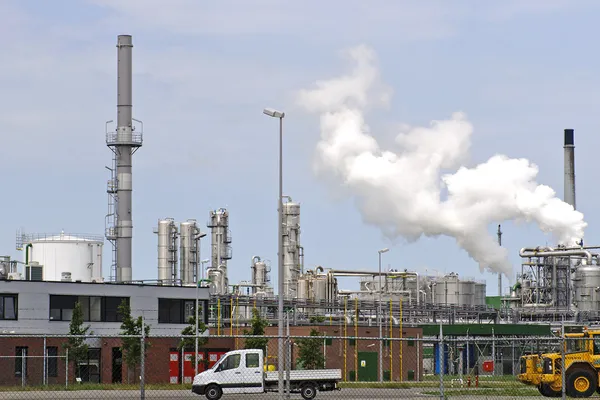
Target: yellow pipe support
{"x": 218, "y": 317}
{"x": 345, "y": 338}
{"x": 391, "y": 343}
{"x": 400, "y": 339}
{"x": 356, "y": 340}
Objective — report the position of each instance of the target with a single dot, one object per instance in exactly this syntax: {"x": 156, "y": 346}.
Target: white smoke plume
{"x": 401, "y": 191}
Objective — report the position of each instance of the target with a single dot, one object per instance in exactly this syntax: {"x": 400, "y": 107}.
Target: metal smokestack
{"x": 569, "y": 185}
{"x": 124, "y": 142}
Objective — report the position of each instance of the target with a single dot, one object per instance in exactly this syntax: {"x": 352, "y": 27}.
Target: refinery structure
{"x": 554, "y": 284}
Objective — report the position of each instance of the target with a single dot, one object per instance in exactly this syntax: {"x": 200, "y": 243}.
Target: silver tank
{"x": 319, "y": 286}
{"x": 480, "y": 292}
{"x": 291, "y": 247}
{"x": 215, "y": 278}
{"x": 586, "y": 280}
{"x": 167, "y": 249}
{"x": 446, "y": 290}
{"x": 303, "y": 285}
{"x": 466, "y": 291}
{"x": 189, "y": 251}
{"x": 451, "y": 290}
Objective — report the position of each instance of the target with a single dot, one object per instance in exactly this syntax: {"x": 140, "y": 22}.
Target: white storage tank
{"x": 61, "y": 255}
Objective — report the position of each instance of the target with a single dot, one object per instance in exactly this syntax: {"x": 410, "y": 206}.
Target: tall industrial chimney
{"x": 124, "y": 142}
{"x": 569, "y": 168}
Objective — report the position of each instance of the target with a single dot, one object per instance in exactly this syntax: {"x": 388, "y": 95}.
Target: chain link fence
{"x": 328, "y": 367}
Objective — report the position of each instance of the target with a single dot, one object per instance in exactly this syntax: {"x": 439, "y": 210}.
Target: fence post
{"x": 67, "y": 368}
{"x": 23, "y": 367}
{"x": 441, "y": 362}
{"x": 45, "y": 363}
{"x": 562, "y": 369}
{"x": 143, "y": 362}
{"x": 288, "y": 361}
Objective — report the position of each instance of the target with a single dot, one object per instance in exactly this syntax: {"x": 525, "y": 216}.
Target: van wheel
{"x": 213, "y": 392}
{"x": 581, "y": 383}
{"x": 308, "y": 391}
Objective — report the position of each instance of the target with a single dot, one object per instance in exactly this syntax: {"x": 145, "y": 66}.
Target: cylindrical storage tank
{"x": 320, "y": 288}
{"x": 586, "y": 280}
{"x": 164, "y": 267}
{"x": 480, "y": 291}
{"x": 187, "y": 262}
{"x": 447, "y": 290}
{"x": 260, "y": 270}
{"x": 303, "y": 284}
{"x": 80, "y": 255}
{"x": 214, "y": 276}
{"x": 466, "y": 293}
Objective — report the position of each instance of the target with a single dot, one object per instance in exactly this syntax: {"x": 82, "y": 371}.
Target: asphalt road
{"x": 345, "y": 394}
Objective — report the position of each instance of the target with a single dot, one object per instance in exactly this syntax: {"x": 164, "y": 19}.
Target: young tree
{"x": 310, "y": 353}
{"x": 131, "y": 346}
{"x": 190, "y": 343}
{"x": 257, "y": 329}
{"x": 78, "y": 349}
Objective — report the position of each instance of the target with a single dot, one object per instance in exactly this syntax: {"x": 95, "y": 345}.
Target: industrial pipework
{"x": 569, "y": 185}
{"x": 123, "y": 143}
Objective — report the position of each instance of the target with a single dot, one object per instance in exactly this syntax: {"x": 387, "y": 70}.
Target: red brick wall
{"x": 335, "y": 352}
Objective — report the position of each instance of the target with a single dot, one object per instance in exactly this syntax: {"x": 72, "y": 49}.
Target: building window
{"x": 179, "y": 311}
{"x": 52, "y": 362}
{"x": 8, "y": 306}
{"x": 20, "y": 361}
{"x": 94, "y": 308}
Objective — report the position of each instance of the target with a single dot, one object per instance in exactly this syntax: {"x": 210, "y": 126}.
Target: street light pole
{"x": 380, "y": 319}
{"x": 280, "y": 352}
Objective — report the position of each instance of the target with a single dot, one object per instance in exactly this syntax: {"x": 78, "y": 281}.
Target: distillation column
{"x": 291, "y": 248}
{"x": 220, "y": 248}
{"x": 189, "y": 242}
{"x": 167, "y": 250}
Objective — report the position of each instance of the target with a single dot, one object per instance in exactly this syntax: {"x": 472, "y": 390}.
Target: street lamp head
{"x": 384, "y": 250}
{"x": 201, "y": 235}
{"x": 273, "y": 113}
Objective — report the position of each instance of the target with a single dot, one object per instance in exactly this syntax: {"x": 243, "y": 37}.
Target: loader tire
{"x": 581, "y": 383}
{"x": 546, "y": 391}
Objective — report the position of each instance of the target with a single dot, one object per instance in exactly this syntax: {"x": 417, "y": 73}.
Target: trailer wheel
{"x": 213, "y": 392}
{"x": 581, "y": 383}
{"x": 308, "y": 391}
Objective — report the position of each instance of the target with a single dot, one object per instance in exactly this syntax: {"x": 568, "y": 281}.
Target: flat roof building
{"x": 46, "y": 307}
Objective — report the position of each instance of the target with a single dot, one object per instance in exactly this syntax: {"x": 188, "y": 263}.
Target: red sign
{"x": 488, "y": 366}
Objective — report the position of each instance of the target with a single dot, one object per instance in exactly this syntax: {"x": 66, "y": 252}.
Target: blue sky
{"x": 203, "y": 71}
